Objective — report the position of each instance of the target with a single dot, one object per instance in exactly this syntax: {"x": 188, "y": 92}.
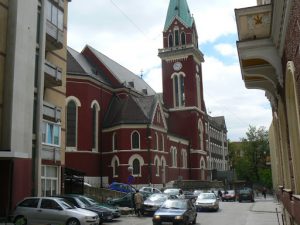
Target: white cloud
{"x": 226, "y": 49}
{"x": 130, "y": 32}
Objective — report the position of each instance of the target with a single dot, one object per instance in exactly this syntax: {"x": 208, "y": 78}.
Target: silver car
{"x": 52, "y": 210}
{"x": 207, "y": 201}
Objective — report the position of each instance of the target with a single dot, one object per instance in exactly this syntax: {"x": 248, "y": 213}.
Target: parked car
{"x": 229, "y": 195}
{"x": 172, "y": 191}
{"x": 115, "y": 211}
{"x": 190, "y": 195}
{"x": 124, "y": 201}
{"x": 207, "y": 201}
{"x": 81, "y": 202}
{"x": 52, "y": 210}
{"x": 154, "y": 201}
{"x": 246, "y": 194}
{"x": 150, "y": 190}
{"x": 175, "y": 211}
{"x": 126, "y": 188}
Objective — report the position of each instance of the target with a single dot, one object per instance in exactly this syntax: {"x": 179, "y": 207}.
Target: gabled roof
{"x": 218, "y": 121}
{"x": 130, "y": 110}
{"x": 179, "y": 9}
{"x": 77, "y": 64}
{"x": 122, "y": 74}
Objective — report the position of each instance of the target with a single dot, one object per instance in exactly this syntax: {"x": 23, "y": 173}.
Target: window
{"x": 71, "y": 124}
{"x": 184, "y": 158}
{"x": 162, "y": 143}
{"x": 136, "y": 167}
{"x": 51, "y": 133}
{"x": 95, "y": 124}
{"x": 157, "y": 167}
{"x": 135, "y": 140}
{"x": 176, "y": 37}
{"x": 178, "y": 89}
{"x": 183, "y": 39}
{"x": 50, "y": 204}
{"x": 170, "y": 40}
{"x": 200, "y": 130}
{"x": 94, "y": 127}
{"x": 49, "y": 180}
{"x": 116, "y": 168}
{"x": 114, "y": 141}
{"x": 30, "y": 203}
{"x": 55, "y": 15}
{"x": 174, "y": 156}
{"x": 155, "y": 141}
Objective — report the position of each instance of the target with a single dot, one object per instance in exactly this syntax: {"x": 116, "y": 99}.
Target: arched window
{"x": 183, "y": 39}
{"x": 200, "y": 130}
{"x": 114, "y": 141}
{"x": 162, "y": 142}
{"x": 115, "y": 165}
{"x": 176, "y": 32}
{"x": 184, "y": 158}
{"x": 136, "y": 167}
{"x": 170, "y": 40}
{"x": 178, "y": 89}
{"x": 174, "y": 156}
{"x": 157, "y": 167}
{"x": 135, "y": 140}
{"x": 71, "y": 124}
{"x": 95, "y": 121}
{"x": 155, "y": 141}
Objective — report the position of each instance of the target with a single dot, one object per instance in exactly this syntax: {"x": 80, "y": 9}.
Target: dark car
{"x": 115, "y": 211}
{"x": 229, "y": 196}
{"x": 124, "y": 201}
{"x": 80, "y": 202}
{"x": 126, "y": 188}
{"x": 246, "y": 195}
{"x": 175, "y": 211}
{"x": 154, "y": 201}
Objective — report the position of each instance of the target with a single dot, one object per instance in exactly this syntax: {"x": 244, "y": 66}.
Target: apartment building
{"x": 32, "y": 98}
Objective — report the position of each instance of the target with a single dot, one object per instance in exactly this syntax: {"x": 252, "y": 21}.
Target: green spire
{"x": 180, "y": 9}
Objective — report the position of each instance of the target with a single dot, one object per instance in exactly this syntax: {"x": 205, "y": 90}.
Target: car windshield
{"x": 90, "y": 201}
{"x": 171, "y": 191}
{"x": 207, "y": 196}
{"x": 230, "y": 192}
{"x": 85, "y": 201}
{"x": 158, "y": 197}
{"x": 245, "y": 191}
{"x": 66, "y": 204}
{"x": 175, "y": 204}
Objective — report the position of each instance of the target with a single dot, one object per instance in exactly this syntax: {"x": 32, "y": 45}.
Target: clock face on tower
{"x": 177, "y": 66}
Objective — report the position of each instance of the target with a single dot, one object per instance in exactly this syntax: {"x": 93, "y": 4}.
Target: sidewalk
{"x": 265, "y": 212}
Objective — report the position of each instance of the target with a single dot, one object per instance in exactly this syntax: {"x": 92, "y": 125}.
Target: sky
{"x": 130, "y": 33}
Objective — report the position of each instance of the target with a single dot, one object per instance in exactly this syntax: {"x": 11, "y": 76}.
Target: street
{"x": 261, "y": 212}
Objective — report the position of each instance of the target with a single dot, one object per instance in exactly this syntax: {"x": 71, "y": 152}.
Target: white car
{"x": 150, "y": 190}
{"x": 52, "y": 210}
{"x": 207, "y": 201}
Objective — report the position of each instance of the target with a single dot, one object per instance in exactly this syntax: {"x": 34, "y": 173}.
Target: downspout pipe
{"x": 37, "y": 162}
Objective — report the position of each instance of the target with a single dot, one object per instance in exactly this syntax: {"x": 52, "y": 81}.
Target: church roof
{"x": 219, "y": 121}
{"x": 77, "y": 64}
{"x": 130, "y": 110}
{"x": 125, "y": 76}
{"x": 179, "y": 9}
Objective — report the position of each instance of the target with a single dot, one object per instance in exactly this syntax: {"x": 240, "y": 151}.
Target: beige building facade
{"x": 32, "y": 98}
{"x": 269, "y": 54}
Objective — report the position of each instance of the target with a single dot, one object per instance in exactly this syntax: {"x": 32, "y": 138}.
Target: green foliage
{"x": 248, "y": 157}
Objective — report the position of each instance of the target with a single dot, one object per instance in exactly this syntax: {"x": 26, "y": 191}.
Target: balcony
{"x": 51, "y": 112}
{"x": 53, "y": 75}
{"x": 259, "y": 59}
{"x": 54, "y": 37}
{"x": 51, "y": 153}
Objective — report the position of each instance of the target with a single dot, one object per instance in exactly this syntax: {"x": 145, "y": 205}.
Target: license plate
{"x": 167, "y": 223}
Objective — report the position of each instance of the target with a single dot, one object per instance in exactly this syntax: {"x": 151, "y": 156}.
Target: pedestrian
{"x": 180, "y": 194}
{"x": 220, "y": 195}
{"x": 138, "y": 200}
{"x": 264, "y": 192}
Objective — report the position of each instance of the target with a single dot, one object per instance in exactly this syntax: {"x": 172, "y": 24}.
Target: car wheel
{"x": 20, "y": 220}
{"x": 73, "y": 221}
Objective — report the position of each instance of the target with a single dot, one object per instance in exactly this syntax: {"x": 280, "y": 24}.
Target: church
{"x": 119, "y": 129}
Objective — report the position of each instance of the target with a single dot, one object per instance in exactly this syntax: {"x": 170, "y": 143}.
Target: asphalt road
{"x": 230, "y": 213}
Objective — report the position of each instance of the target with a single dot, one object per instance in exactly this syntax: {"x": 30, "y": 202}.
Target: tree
{"x": 248, "y": 157}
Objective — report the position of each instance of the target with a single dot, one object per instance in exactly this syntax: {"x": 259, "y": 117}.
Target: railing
{"x": 51, "y": 112}
{"x": 51, "y": 153}
{"x": 55, "y": 36}
{"x": 53, "y": 75}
